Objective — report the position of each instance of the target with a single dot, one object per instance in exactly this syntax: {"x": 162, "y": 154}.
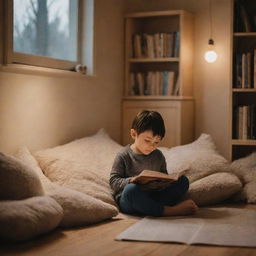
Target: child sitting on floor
{"x": 147, "y": 131}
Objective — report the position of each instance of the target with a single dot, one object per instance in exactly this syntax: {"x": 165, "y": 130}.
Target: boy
{"x": 147, "y": 131}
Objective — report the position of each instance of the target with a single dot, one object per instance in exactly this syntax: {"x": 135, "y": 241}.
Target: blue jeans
{"x": 134, "y": 200}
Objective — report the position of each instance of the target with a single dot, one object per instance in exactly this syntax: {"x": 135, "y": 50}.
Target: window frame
{"x": 11, "y": 57}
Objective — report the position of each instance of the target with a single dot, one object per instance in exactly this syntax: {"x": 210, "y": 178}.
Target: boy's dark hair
{"x": 149, "y": 121}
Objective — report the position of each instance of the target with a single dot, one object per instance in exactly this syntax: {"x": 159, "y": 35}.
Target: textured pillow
{"x": 214, "y": 188}
{"x": 17, "y": 180}
{"x": 83, "y": 164}
{"x": 81, "y": 209}
{"x": 245, "y": 169}
{"x": 199, "y": 157}
{"x": 24, "y": 155}
{"x": 78, "y": 208}
{"x": 25, "y": 219}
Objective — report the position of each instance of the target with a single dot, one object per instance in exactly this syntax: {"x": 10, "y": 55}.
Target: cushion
{"x": 83, "y": 164}
{"x": 200, "y": 158}
{"x": 214, "y": 188}
{"x": 25, "y": 219}
{"x": 17, "y": 180}
{"x": 78, "y": 208}
{"x": 27, "y": 158}
{"x": 245, "y": 169}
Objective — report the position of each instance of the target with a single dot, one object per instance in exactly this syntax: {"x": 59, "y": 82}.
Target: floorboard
{"x": 99, "y": 240}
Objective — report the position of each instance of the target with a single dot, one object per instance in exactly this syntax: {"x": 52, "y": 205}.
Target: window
{"x": 47, "y": 33}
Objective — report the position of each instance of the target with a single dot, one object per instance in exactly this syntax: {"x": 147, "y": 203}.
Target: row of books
{"x": 154, "y": 83}
{"x": 158, "y": 45}
{"x": 245, "y": 122}
{"x": 245, "y": 70}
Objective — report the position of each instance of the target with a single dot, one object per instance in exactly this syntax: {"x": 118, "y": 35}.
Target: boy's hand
{"x": 132, "y": 179}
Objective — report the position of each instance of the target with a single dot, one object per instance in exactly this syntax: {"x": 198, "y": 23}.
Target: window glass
{"x": 46, "y": 28}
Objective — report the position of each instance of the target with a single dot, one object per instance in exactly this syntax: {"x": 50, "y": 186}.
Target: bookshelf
{"x": 158, "y": 72}
{"x": 243, "y": 88}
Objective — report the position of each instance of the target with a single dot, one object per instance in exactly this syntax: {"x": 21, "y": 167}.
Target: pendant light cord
{"x": 210, "y": 14}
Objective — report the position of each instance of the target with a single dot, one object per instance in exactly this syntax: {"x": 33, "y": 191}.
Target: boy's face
{"x": 145, "y": 142}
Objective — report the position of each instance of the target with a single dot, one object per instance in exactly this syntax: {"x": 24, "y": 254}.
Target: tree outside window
{"x": 46, "y": 28}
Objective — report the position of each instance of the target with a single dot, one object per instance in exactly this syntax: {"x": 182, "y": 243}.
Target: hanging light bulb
{"x": 210, "y": 55}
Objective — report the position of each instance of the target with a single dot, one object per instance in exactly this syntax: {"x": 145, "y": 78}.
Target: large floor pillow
{"x": 78, "y": 208}
{"x": 17, "y": 180}
{"x": 83, "y": 164}
{"x": 200, "y": 158}
{"x": 245, "y": 169}
{"x": 214, "y": 188}
{"x": 81, "y": 209}
{"x": 28, "y": 218}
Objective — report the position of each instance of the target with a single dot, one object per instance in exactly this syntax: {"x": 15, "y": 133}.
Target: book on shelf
{"x": 176, "y": 89}
{"x": 244, "y": 17}
{"x": 150, "y": 179}
{"x": 245, "y": 122}
{"x": 137, "y": 46}
{"x": 177, "y": 44}
{"x": 254, "y": 69}
{"x": 245, "y": 70}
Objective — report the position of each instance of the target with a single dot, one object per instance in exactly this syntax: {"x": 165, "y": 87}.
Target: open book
{"x": 151, "y": 180}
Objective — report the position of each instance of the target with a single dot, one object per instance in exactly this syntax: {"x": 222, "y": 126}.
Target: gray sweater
{"x": 128, "y": 164}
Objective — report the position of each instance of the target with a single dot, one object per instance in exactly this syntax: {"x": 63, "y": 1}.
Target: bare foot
{"x": 187, "y": 207}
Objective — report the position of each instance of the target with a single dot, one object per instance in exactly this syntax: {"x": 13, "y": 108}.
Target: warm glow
{"x": 210, "y": 56}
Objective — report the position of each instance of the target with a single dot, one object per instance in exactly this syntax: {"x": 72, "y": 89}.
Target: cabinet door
{"x": 170, "y": 111}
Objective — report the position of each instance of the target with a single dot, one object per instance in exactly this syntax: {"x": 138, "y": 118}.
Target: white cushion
{"x": 25, "y": 219}
{"x": 245, "y": 169}
{"x": 17, "y": 180}
{"x": 214, "y": 188}
{"x": 200, "y": 158}
{"x": 79, "y": 208}
{"x": 83, "y": 164}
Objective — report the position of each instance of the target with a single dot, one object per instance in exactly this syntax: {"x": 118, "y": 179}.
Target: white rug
{"x": 213, "y": 226}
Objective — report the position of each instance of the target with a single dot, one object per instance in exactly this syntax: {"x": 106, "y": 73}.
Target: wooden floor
{"x": 99, "y": 240}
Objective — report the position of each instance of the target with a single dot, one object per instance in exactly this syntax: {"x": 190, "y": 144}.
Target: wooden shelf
{"x": 154, "y": 14}
{"x": 244, "y": 34}
{"x": 244, "y": 89}
{"x": 132, "y": 60}
{"x": 242, "y": 100}
{"x": 163, "y": 66}
{"x": 244, "y": 142}
{"x": 158, "y": 97}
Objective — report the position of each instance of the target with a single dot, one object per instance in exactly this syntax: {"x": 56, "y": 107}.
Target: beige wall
{"x": 211, "y": 81}
{"x": 45, "y": 110}
{"x": 41, "y": 111}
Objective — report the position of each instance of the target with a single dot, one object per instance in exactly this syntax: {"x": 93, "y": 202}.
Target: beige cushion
{"x": 24, "y": 155}
{"x": 17, "y": 180}
{"x": 83, "y": 165}
{"x": 245, "y": 169}
{"x": 200, "y": 157}
{"x": 214, "y": 188}
{"x": 79, "y": 208}
{"x": 25, "y": 219}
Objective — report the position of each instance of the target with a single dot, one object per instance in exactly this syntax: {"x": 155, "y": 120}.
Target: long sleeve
{"x": 118, "y": 177}
{"x": 128, "y": 164}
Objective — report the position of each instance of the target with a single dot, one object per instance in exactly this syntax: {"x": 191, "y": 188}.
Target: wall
{"x": 42, "y": 110}
{"x": 211, "y": 81}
